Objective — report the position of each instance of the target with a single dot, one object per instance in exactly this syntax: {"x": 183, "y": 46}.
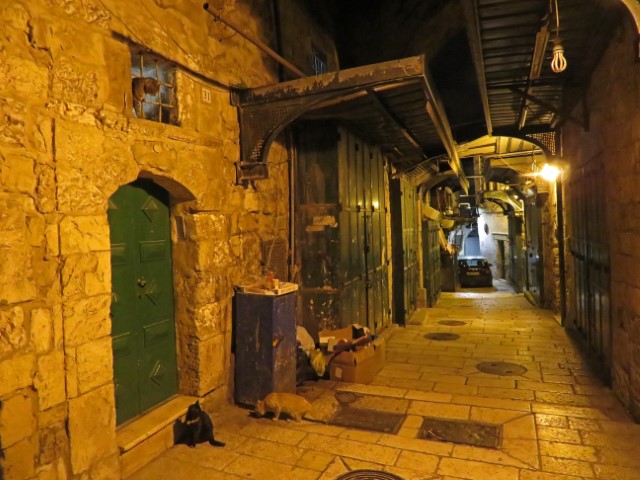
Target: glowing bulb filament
{"x": 559, "y": 63}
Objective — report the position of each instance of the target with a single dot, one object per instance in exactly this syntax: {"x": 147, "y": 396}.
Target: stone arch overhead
{"x": 178, "y": 192}
{"x": 634, "y": 8}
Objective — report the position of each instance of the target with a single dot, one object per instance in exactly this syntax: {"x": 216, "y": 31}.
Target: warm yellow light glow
{"x": 549, "y": 172}
{"x": 376, "y": 205}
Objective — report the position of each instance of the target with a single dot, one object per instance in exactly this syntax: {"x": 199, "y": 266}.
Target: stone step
{"x": 146, "y": 437}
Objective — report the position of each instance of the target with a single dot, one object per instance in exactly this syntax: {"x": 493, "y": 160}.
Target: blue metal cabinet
{"x": 265, "y": 345}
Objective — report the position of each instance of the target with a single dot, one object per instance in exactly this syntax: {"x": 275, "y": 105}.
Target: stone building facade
{"x": 613, "y": 142}
{"x": 70, "y": 137}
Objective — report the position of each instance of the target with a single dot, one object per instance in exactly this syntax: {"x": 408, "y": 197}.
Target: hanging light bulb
{"x": 559, "y": 62}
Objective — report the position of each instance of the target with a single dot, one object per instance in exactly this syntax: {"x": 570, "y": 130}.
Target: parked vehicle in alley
{"x": 474, "y": 272}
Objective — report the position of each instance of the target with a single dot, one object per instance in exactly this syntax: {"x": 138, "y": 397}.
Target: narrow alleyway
{"x": 557, "y": 421}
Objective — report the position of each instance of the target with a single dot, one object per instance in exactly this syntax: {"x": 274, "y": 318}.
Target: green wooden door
{"x": 144, "y": 345}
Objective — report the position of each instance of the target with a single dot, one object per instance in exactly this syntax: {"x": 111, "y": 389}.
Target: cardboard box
{"x": 359, "y": 366}
{"x": 354, "y": 367}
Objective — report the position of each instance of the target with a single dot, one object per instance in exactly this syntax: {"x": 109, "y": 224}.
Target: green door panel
{"x": 143, "y": 328}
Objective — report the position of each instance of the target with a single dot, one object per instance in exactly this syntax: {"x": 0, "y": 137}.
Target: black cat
{"x": 199, "y": 427}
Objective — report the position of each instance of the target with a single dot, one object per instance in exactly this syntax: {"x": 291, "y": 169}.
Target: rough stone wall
{"x": 550, "y": 252}
{"x": 614, "y": 102}
{"x": 492, "y": 216}
{"x": 68, "y": 142}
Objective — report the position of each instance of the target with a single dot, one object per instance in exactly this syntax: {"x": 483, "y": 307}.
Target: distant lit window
{"x": 318, "y": 61}
{"x": 153, "y": 88}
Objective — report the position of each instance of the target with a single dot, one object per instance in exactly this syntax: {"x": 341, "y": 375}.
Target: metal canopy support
{"x": 435, "y": 109}
{"x": 475, "y": 42}
{"x": 548, "y": 106}
{"x": 264, "y": 112}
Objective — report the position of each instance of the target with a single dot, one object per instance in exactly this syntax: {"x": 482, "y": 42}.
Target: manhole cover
{"x": 468, "y": 433}
{"x": 368, "y": 475}
{"x": 452, "y": 323}
{"x": 442, "y": 336}
{"x": 501, "y": 368}
{"x": 363, "y": 419}
{"x": 346, "y": 397}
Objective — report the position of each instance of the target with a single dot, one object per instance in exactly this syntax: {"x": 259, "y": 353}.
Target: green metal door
{"x": 143, "y": 331}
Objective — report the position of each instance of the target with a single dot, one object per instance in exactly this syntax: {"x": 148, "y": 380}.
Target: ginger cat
{"x": 289, "y": 403}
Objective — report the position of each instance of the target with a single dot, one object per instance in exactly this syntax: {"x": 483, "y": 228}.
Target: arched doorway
{"x": 142, "y": 308}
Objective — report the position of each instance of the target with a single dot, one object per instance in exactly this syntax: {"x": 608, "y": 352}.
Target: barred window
{"x": 153, "y": 88}
{"x": 318, "y": 60}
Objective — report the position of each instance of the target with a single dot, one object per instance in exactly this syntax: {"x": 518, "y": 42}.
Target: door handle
{"x": 142, "y": 282}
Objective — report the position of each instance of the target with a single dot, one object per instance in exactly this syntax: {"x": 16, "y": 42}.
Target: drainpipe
{"x": 561, "y": 263}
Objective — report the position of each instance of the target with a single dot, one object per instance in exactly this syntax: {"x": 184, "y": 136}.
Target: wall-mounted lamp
{"x": 549, "y": 172}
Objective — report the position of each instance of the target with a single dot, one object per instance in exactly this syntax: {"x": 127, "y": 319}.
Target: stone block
{"x": 16, "y": 373}
{"x": 45, "y": 188}
{"x": 95, "y": 364}
{"x": 19, "y": 460}
{"x": 92, "y": 427}
{"x": 23, "y": 78}
{"x": 86, "y": 275}
{"x": 108, "y": 468}
{"x": 212, "y": 363}
{"x": 213, "y": 255}
{"x": 17, "y": 420}
{"x": 84, "y": 234}
{"x": 86, "y": 320}
{"x": 76, "y": 82}
{"x": 17, "y": 174}
{"x": 13, "y": 334}
{"x": 41, "y": 330}
{"x": 16, "y": 275}
{"x": 53, "y": 442}
{"x": 50, "y": 380}
{"x": 208, "y": 321}
{"x": 211, "y": 226}
{"x": 52, "y": 244}
{"x": 56, "y": 315}
{"x": 35, "y": 230}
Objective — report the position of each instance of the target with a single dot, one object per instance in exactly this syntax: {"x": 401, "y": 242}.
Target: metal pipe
{"x": 261, "y": 45}
{"x": 561, "y": 263}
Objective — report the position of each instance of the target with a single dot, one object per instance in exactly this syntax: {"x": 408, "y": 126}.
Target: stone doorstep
{"x": 146, "y": 429}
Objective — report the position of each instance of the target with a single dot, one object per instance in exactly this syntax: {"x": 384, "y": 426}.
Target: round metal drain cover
{"x": 442, "y": 336}
{"x": 346, "y": 397}
{"x": 368, "y": 475}
{"x": 452, "y": 323}
{"x": 501, "y": 368}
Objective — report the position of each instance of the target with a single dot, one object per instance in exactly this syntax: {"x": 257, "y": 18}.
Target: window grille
{"x": 318, "y": 61}
{"x": 153, "y": 87}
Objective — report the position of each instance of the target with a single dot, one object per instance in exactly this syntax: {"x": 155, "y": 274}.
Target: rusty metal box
{"x": 265, "y": 345}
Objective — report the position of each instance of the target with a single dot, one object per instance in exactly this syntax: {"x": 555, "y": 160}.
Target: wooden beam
{"x": 475, "y": 43}
{"x": 547, "y": 106}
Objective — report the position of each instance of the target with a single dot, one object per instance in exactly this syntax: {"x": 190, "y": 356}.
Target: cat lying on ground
{"x": 289, "y": 403}
{"x": 199, "y": 427}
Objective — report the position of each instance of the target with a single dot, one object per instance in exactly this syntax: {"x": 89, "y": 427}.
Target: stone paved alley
{"x": 558, "y": 421}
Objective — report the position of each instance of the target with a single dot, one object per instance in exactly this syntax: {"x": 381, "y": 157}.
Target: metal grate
{"x": 274, "y": 258}
{"x": 548, "y": 139}
{"x": 368, "y": 475}
{"x": 458, "y": 431}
